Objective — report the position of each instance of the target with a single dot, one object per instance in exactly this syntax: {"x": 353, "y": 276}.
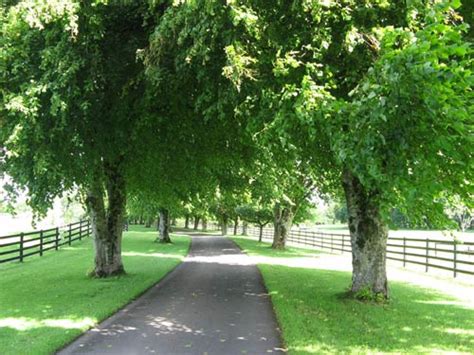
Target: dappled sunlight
{"x": 313, "y": 262}
{"x": 165, "y": 326}
{"x": 459, "y": 331}
{"x": 447, "y": 303}
{"x": 426, "y": 314}
{"x": 24, "y": 324}
{"x": 230, "y": 259}
{"x": 153, "y": 255}
{"x": 461, "y": 291}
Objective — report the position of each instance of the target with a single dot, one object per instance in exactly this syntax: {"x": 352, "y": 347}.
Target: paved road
{"x": 213, "y": 303}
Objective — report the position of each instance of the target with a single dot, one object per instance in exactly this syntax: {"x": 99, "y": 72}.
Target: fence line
{"x": 22, "y": 245}
{"x": 457, "y": 257}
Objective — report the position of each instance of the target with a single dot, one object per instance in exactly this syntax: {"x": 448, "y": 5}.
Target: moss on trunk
{"x": 368, "y": 238}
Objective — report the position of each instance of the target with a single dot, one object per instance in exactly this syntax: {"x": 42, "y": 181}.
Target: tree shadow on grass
{"x": 264, "y": 249}
{"x": 314, "y": 319}
{"x": 46, "y": 302}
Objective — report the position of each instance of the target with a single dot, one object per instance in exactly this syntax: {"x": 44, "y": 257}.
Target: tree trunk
{"x": 164, "y": 234}
{"x": 224, "y": 221}
{"x": 244, "y": 227}
{"x": 196, "y": 223}
{"x": 260, "y": 233}
{"x": 204, "y": 224}
{"x": 173, "y": 221}
{"x": 368, "y": 238}
{"x": 186, "y": 222}
{"x": 283, "y": 222}
{"x": 236, "y": 225}
{"x": 107, "y": 225}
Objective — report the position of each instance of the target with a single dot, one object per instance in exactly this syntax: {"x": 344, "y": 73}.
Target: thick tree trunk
{"x": 107, "y": 225}
{"x": 164, "y": 234}
{"x": 224, "y": 222}
{"x": 244, "y": 227}
{"x": 186, "y": 221}
{"x": 260, "y": 233}
{"x": 368, "y": 238}
{"x": 283, "y": 222}
{"x": 204, "y": 224}
{"x": 148, "y": 223}
{"x": 236, "y": 225}
{"x": 196, "y": 223}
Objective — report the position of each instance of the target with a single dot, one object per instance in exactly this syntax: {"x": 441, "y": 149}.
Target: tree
{"x": 69, "y": 108}
{"x": 374, "y": 99}
{"x": 460, "y": 213}
{"x": 164, "y": 228}
{"x": 257, "y": 215}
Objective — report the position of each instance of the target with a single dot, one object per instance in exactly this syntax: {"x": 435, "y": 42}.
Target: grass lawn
{"x": 46, "y": 302}
{"x": 316, "y": 318}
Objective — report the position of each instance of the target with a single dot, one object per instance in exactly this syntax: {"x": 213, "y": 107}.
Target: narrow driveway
{"x": 213, "y": 303}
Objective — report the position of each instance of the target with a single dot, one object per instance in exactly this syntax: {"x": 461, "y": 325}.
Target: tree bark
{"x": 107, "y": 224}
{"x": 224, "y": 221}
{"x": 196, "y": 223}
{"x": 236, "y": 225}
{"x": 283, "y": 222}
{"x": 186, "y": 222}
{"x": 148, "y": 223}
{"x": 204, "y": 224}
{"x": 260, "y": 233}
{"x": 164, "y": 234}
{"x": 368, "y": 237}
{"x": 244, "y": 227}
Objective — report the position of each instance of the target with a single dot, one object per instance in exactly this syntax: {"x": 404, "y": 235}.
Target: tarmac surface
{"x": 213, "y": 303}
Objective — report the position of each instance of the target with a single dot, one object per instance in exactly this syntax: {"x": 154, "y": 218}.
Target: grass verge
{"x": 316, "y": 318}
{"x": 46, "y": 302}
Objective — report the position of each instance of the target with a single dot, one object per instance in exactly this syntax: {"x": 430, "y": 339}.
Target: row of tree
{"x": 168, "y": 104}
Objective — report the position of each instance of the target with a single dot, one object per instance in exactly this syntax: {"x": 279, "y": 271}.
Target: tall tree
{"x": 69, "y": 107}
{"x": 361, "y": 95}
{"x": 378, "y": 92}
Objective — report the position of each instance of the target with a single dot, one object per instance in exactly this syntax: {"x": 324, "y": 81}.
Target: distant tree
{"x": 255, "y": 214}
{"x": 460, "y": 213}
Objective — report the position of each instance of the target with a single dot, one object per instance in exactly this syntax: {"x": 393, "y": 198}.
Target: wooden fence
{"x": 454, "y": 256}
{"x": 22, "y": 245}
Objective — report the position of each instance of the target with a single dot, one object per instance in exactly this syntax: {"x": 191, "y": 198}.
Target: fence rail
{"x": 22, "y": 245}
{"x": 454, "y": 256}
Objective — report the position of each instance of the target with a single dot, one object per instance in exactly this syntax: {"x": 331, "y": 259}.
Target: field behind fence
{"x": 22, "y": 245}
{"x": 439, "y": 253}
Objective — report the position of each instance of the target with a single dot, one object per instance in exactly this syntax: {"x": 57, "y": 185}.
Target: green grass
{"x": 46, "y": 302}
{"x": 316, "y": 318}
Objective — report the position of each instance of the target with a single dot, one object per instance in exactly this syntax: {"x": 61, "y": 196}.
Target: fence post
{"x": 455, "y": 259}
{"x": 56, "y": 241}
{"x": 404, "y": 251}
{"x": 88, "y": 228}
{"x": 69, "y": 235}
{"x": 80, "y": 230}
{"x": 22, "y": 236}
{"x": 332, "y": 243}
{"x": 342, "y": 248}
{"x": 427, "y": 254}
{"x": 41, "y": 242}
